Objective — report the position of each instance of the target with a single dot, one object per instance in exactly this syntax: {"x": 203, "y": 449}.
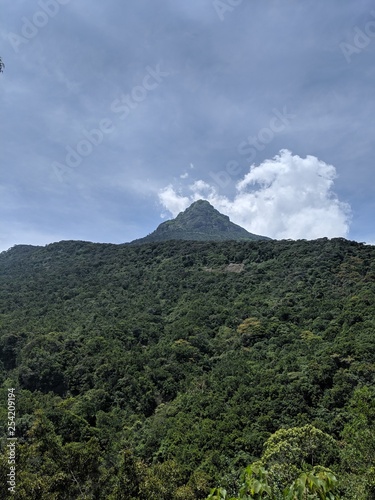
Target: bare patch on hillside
{"x": 230, "y": 268}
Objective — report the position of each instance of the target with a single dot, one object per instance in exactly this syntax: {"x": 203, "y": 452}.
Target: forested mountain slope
{"x": 159, "y": 370}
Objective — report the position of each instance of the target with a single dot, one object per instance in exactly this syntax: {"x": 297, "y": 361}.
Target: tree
{"x": 359, "y": 452}
{"x": 290, "y": 452}
{"x": 288, "y": 468}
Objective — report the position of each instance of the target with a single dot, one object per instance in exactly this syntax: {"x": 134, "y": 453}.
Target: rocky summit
{"x": 200, "y": 222}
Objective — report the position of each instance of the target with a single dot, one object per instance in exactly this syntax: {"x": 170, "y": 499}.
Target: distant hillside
{"x": 200, "y": 222}
{"x": 158, "y": 371}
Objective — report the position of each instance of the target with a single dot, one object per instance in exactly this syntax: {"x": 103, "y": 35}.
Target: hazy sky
{"x": 116, "y": 114}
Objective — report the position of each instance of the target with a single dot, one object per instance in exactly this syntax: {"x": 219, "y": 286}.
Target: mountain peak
{"x": 199, "y": 203}
{"x": 200, "y": 208}
{"x": 199, "y": 222}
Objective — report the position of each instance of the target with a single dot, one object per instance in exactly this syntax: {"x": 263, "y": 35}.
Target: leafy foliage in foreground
{"x": 286, "y": 470}
{"x": 319, "y": 484}
{"x": 159, "y": 371}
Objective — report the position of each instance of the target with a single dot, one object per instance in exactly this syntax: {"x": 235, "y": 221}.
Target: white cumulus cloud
{"x": 284, "y": 197}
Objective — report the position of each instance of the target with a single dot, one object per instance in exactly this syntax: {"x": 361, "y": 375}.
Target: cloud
{"x": 220, "y": 93}
{"x": 284, "y": 197}
{"x": 173, "y": 201}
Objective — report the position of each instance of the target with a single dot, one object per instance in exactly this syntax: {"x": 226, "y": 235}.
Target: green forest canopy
{"x": 160, "y": 371}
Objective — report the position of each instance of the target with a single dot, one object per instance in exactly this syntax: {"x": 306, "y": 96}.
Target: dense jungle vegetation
{"x": 162, "y": 370}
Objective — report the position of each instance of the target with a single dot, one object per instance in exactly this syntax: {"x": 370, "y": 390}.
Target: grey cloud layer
{"x": 225, "y": 79}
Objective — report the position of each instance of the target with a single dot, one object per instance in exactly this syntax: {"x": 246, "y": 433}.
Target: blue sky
{"x": 117, "y": 114}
